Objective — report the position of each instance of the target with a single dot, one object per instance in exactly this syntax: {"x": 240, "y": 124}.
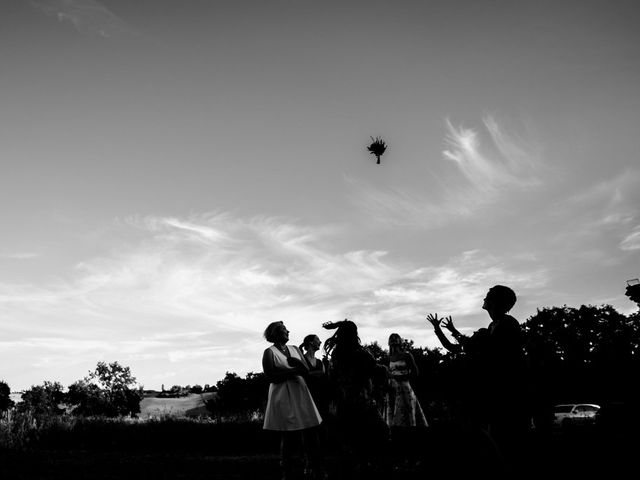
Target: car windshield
{"x": 563, "y": 408}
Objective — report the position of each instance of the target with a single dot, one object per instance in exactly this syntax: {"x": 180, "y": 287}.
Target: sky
{"x": 177, "y": 174}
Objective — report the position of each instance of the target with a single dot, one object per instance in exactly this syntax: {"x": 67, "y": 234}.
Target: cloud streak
{"x": 600, "y": 216}
{"x": 88, "y": 17}
{"x": 502, "y": 164}
{"x": 631, "y": 241}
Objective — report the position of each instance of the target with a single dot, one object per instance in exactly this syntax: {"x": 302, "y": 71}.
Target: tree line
{"x": 110, "y": 390}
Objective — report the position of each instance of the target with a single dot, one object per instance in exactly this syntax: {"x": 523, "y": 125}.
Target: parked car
{"x": 569, "y": 415}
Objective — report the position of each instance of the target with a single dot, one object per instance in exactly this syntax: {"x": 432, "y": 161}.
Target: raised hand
{"x": 446, "y": 343}
{"x": 332, "y": 325}
{"x": 434, "y": 320}
{"x": 447, "y": 323}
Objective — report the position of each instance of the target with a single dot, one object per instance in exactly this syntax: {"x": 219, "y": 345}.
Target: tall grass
{"x": 25, "y": 431}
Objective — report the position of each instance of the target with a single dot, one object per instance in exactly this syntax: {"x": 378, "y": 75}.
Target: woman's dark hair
{"x": 307, "y": 340}
{"x": 269, "y": 332}
{"x": 346, "y": 336}
{"x": 348, "y": 359}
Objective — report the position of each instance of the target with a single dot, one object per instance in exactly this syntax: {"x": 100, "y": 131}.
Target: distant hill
{"x": 191, "y": 406}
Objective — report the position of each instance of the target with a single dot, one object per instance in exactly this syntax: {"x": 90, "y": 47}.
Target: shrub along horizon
{"x": 5, "y": 397}
{"x": 110, "y": 390}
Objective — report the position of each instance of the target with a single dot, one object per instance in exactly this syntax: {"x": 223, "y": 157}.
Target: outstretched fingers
{"x": 448, "y": 323}
{"x": 433, "y": 319}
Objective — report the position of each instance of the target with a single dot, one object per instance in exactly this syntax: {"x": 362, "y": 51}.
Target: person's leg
{"x": 289, "y": 449}
{"x": 313, "y": 452}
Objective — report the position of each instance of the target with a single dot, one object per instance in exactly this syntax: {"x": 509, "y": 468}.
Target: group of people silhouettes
{"x": 371, "y": 408}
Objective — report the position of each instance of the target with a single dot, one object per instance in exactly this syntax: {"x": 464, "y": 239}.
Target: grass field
{"x": 171, "y": 440}
{"x": 444, "y": 454}
{"x": 189, "y": 406}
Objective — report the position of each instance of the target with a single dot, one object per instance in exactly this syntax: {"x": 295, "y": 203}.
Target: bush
{"x": 238, "y": 396}
{"x": 5, "y": 397}
{"x": 110, "y": 390}
{"x": 43, "y": 399}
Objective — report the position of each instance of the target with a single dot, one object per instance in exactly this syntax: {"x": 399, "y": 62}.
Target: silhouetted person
{"x": 403, "y": 412}
{"x": 364, "y": 433}
{"x": 318, "y": 383}
{"x": 290, "y": 407}
{"x": 317, "y": 378}
{"x": 496, "y": 372}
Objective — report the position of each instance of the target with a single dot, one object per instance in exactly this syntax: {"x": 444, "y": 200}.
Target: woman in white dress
{"x": 290, "y": 408}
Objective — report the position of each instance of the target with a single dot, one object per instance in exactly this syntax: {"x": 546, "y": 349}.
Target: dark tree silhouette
{"x": 5, "y": 397}
{"x": 43, "y": 399}
{"x": 377, "y": 148}
{"x": 239, "y": 396}
{"x": 586, "y": 352}
{"x": 633, "y": 290}
{"x": 380, "y": 354}
{"x": 111, "y": 390}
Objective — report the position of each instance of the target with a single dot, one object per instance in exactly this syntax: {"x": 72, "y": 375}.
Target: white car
{"x": 575, "y": 414}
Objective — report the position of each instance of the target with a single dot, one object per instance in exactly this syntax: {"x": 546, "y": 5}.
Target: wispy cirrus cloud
{"x": 88, "y": 17}
{"x": 501, "y": 163}
{"x": 632, "y": 240}
{"x": 424, "y": 210}
{"x": 489, "y": 164}
{"x": 599, "y": 217}
{"x": 615, "y": 195}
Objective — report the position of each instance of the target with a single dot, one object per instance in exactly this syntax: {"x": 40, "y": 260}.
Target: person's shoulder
{"x": 511, "y": 319}
{"x": 480, "y": 333}
{"x": 511, "y": 323}
{"x": 508, "y": 330}
{"x": 268, "y": 356}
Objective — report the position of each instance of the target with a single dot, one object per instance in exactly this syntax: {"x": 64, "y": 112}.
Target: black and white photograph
{"x": 319, "y": 239}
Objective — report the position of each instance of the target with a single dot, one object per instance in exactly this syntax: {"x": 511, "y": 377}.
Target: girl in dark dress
{"x": 364, "y": 433}
{"x": 317, "y": 379}
{"x": 318, "y": 383}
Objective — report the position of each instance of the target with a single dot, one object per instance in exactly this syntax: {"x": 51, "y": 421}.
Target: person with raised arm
{"x": 496, "y": 371}
{"x": 363, "y": 431}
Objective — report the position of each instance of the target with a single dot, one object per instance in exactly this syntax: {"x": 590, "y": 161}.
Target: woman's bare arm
{"x": 278, "y": 375}
{"x": 413, "y": 368}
